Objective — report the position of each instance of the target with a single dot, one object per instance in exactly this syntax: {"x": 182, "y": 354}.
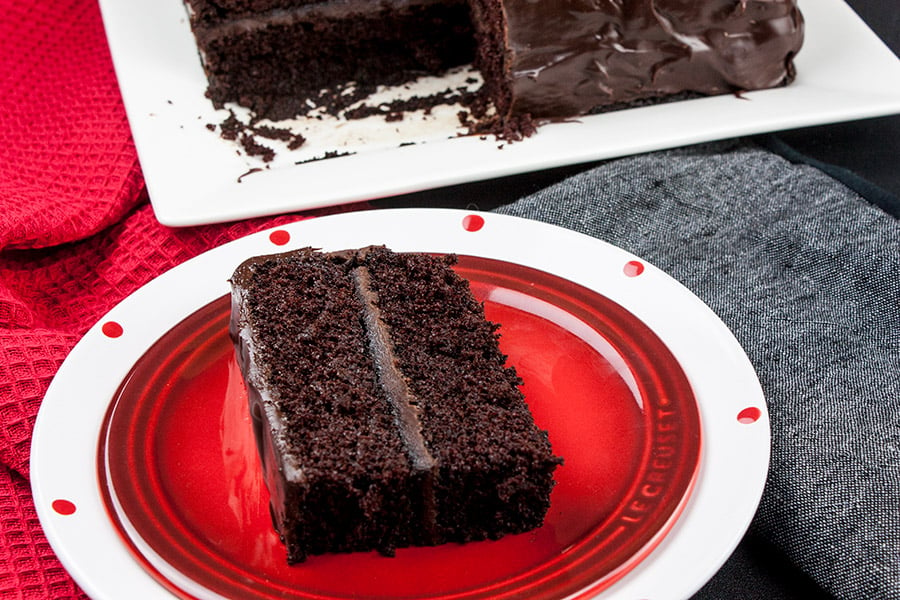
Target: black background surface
{"x": 871, "y": 150}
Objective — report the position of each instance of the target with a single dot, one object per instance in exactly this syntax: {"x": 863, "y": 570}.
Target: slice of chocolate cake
{"x": 382, "y": 406}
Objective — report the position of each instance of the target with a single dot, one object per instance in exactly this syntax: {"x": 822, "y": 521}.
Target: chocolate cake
{"x": 383, "y": 410}
{"x": 539, "y": 60}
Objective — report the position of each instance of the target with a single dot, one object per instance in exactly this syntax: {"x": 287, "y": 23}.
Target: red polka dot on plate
{"x": 633, "y": 268}
{"x": 63, "y": 507}
{"x": 749, "y": 415}
{"x": 111, "y": 329}
{"x": 279, "y": 237}
{"x": 473, "y": 222}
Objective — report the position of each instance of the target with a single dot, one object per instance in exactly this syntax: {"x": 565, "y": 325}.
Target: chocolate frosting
{"x": 404, "y": 403}
{"x": 570, "y": 56}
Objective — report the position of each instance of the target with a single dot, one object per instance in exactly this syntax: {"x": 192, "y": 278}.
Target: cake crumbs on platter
{"x": 351, "y": 119}
{"x": 248, "y": 135}
{"x": 249, "y": 172}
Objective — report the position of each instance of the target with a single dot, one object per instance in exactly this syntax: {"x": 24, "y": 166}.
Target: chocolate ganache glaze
{"x": 569, "y": 57}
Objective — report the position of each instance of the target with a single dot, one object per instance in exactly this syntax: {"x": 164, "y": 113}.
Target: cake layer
{"x": 281, "y": 61}
{"x": 383, "y": 408}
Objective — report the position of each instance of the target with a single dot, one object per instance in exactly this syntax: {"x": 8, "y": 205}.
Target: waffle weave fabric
{"x": 803, "y": 270}
{"x": 68, "y": 167}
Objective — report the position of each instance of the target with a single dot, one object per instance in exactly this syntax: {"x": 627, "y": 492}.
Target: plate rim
{"x": 416, "y": 229}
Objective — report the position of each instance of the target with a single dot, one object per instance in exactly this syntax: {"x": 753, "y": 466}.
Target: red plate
{"x": 183, "y": 485}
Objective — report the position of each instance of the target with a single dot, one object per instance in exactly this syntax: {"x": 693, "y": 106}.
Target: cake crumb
{"x": 247, "y": 135}
{"x": 249, "y": 172}
{"x": 253, "y": 148}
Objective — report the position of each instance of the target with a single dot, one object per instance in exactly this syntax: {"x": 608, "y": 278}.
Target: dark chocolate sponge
{"x": 384, "y": 411}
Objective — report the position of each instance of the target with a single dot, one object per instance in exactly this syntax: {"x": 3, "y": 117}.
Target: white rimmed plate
{"x": 723, "y": 490}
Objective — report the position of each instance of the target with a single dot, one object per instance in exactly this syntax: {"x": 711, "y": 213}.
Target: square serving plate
{"x": 844, "y": 72}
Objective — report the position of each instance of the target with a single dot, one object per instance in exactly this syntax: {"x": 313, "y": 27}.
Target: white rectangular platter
{"x": 193, "y": 176}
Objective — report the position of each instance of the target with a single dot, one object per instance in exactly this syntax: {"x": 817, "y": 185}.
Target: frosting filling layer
{"x": 390, "y": 378}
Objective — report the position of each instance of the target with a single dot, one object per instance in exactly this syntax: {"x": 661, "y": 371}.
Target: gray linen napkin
{"x": 806, "y": 274}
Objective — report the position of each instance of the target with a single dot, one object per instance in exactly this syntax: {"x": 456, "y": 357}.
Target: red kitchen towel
{"x": 76, "y": 236}
{"x": 68, "y": 167}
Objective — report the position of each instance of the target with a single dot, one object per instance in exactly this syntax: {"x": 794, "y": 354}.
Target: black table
{"x": 868, "y": 149}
